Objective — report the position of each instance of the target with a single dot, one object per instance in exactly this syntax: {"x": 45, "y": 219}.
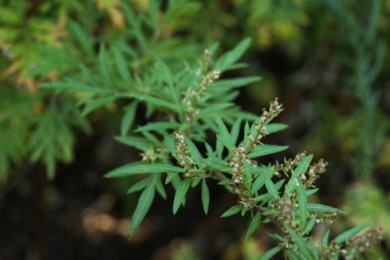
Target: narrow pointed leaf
{"x": 180, "y": 194}
{"x": 205, "y": 196}
{"x": 270, "y": 253}
{"x": 224, "y": 135}
{"x": 316, "y": 207}
{"x": 128, "y": 118}
{"x": 350, "y": 233}
{"x": 255, "y": 222}
{"x": 142, "y": 208}
{"x": 302, "y": 202}
{"x": 271, "y": 188}
{"x": 266, "y": 149}
{"x": 232, "y": 211}
{"x": 141, "y": 168}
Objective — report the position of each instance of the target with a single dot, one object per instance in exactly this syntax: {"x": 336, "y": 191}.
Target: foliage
{"x": 146, "y": 60}
{"x": 186, "y": 102}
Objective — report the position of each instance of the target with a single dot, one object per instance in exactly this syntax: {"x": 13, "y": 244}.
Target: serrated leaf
{"x": 141, "y": 168}
{"x": 266, "y": 149}
{"x": 180, "y": 194}
{"x": 255, "y": 222}
{"x": 205, "y": 196}
{"x": 231, "y": 211}
{"x": 270, "y": 253}
{"x": 142, "y": 208}
{"x": 128, "y": 117}
{"x": 350, "y": 233}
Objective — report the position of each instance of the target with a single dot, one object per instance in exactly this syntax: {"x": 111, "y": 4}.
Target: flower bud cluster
{"x": 193, "y": 95}
{"x": 260, "y": 127}
{"x": 152, "y": 155}
{"x": 358, "y": 244}
{"x": 183, "y": 155}
{"x": 314, "y": 172}
{"x": 289, "y": 164}
{"x": 327, "y": 218}
{"x": 285, "y": 209}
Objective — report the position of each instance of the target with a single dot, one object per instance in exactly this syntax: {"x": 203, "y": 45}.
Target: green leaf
{"x": 94, "y": 104}
{"x": 258, "y": 183}
{"x": 158, "y": 102}
{"x": 139, "y": 185}
{"x": 229, "y": 58}
{"x": 231, "y": 211}
{"x": 205, "y": 196}
{"x": 315, "y": 207}
{"x": 134, "y": 141}
{"x": 270, "y": 253}
{"x": 180, "y": 194}
{"x": 235, "y": 131}
{"x": 271, "y": 188}
{"x": 224, "y": 85}
{"x": 224, "y": 135}
{"x": 266, "y": 149}
{"x": 304, "y": 250}
{"x": 128, "y": 117}
{"x": 350, "y": 233}
{"x": 325, "y": 239}
{"x": 310, "y": 225}
{"x": 159, "y": 186}
{"x": 275, "y": 127}
{"x": 141, "y": 168}
{"x": 255, "y": 222}
{"x": 122, "y": 66}
{"x": 300, "y": 169}
{"x": 157, "y": 126}
{"x": 142, "y": 208}
{"x": 302, "y": 203}
{"x": 105, "y": 67}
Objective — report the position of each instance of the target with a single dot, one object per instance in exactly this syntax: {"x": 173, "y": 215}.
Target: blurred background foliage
{"x": 326, "y": 61}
